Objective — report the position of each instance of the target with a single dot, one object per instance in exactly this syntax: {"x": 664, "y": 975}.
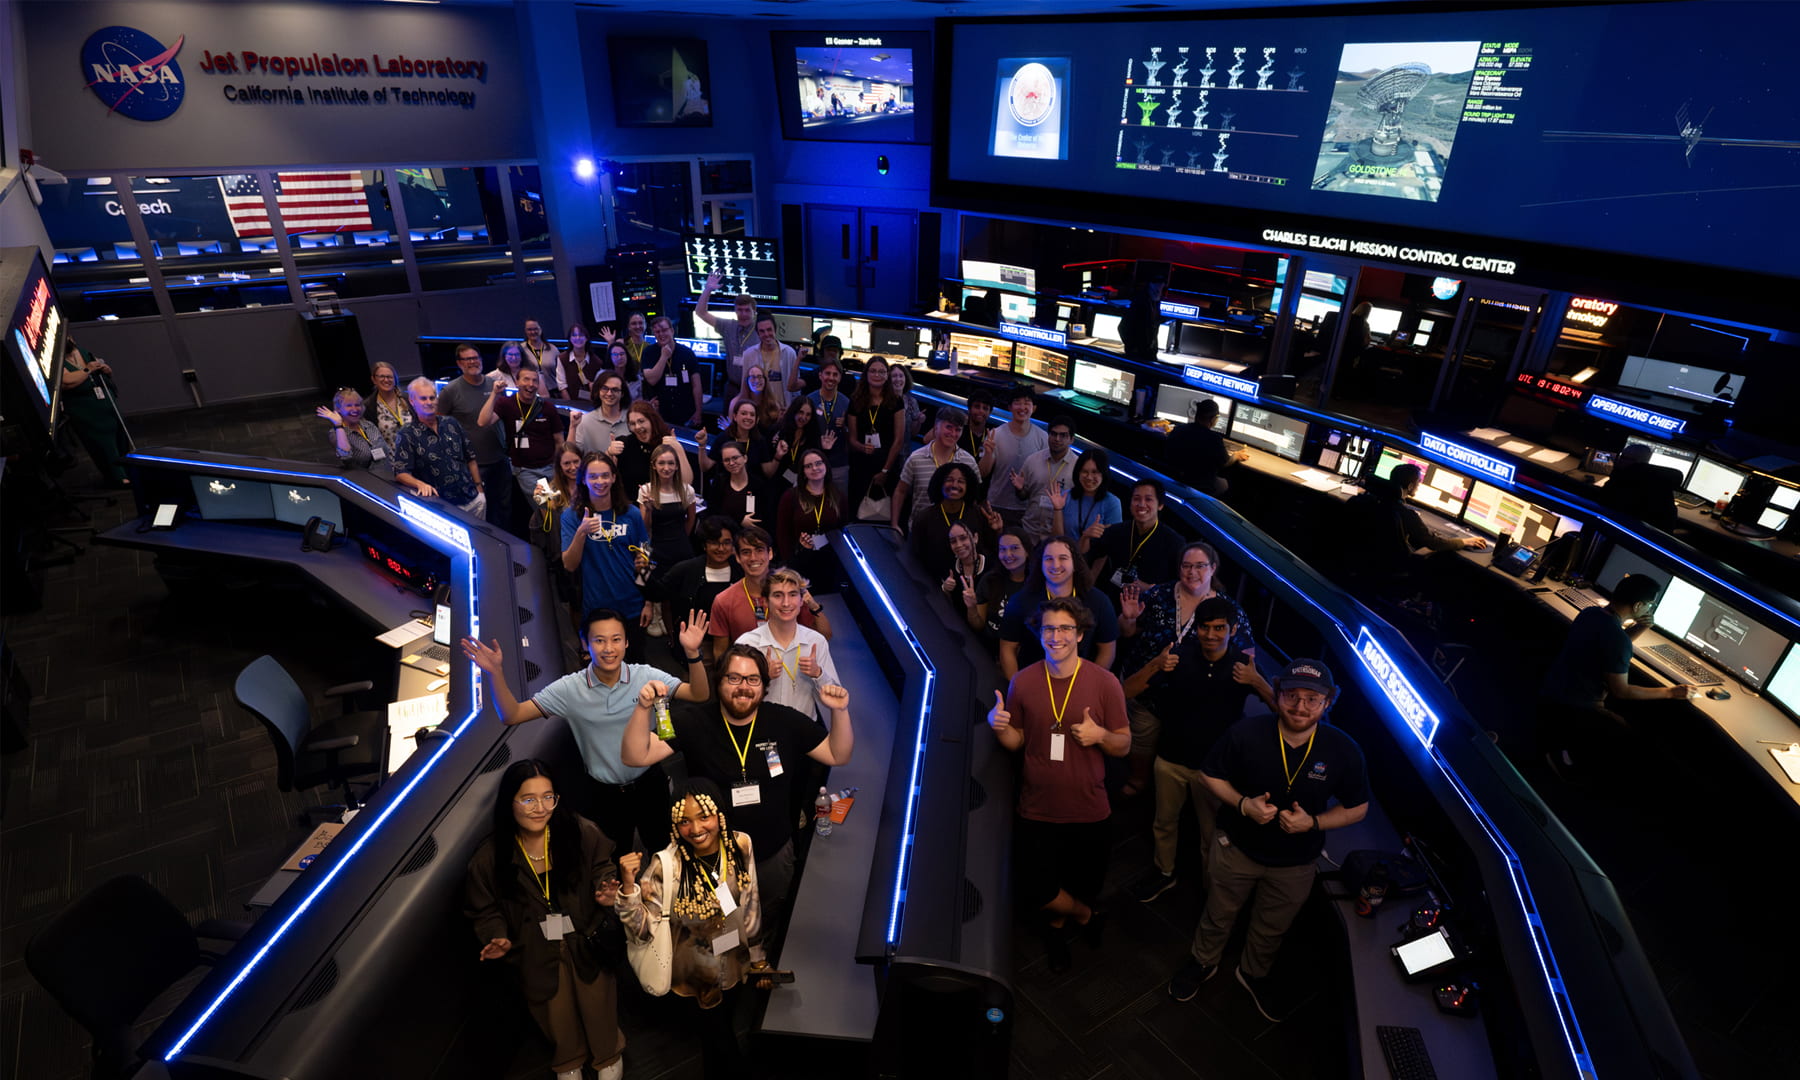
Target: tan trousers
{"x": 1280, "y": 891}
{"x": 1178, "y": 786}
{"x": 582, "y": 1019}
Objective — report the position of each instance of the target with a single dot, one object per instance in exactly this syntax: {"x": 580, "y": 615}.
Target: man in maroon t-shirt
{"x": 744, "y": 605}
{"x": 529, "y": 426}
{"x": 1065, "y": 716}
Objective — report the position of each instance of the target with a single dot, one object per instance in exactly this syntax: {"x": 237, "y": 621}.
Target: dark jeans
{"x": 719, "y": 1050}
{"x": 497, "y": 482}
{"x": 642, "y": 805}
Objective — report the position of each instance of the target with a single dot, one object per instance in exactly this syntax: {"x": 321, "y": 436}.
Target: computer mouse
{"x": 1719, "y": 693}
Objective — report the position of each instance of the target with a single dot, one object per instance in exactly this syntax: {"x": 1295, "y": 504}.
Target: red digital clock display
{"x": 1552, "y": 389}
{"x": 414, "y": 577}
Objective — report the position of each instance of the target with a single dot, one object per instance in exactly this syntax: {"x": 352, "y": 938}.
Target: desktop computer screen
{"x": 1106, "y": 327}
{"x": 1016, "y": 308}
{"x": 1280, "y": 435}
{"x": 1101, "y": 381}
{"x": 1711, "y": 480}
{"x": 999, "y": 275}
{"x": 1782, "y": 502}
{"x": 1537, "y": 527}
{"x": 1784, "y": 686}
{"x": 1719, "y": 632}
{"x": 1325, "y": 281}
{"x": 296, "y": 505}
{"x": 973, "y": 350}
{"x": 1661, "y": 453}
{"x": 893, "y": 340}
{"x": 220, "y": 498}
{"x": 705, "y": 331}
{"x": 1392, "y": 459}
{"x": 1043, "y": 365}
{"x": 1176, "y": 405}
{"x": 1493, "y": 510}
{"x": 852, "y": 333}
{"x": 1621, "y": 561}
{"x": 1345, "y": 453}
{"x": 1443, "y": 490}
{"x": 1384, "y": 320}
{"x": 791, "y": 327}
{"x": 1192, "y": 339}
{"x": 1313, "y": 309}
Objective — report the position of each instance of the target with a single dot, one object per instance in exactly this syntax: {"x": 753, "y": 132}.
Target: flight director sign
{"x": 134, "y": 74}
{"x": 1635, "y": 416}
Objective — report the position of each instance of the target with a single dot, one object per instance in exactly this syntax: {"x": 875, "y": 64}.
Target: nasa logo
{"x": 133, "y": 73}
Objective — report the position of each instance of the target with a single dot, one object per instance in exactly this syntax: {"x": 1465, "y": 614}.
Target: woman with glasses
{"x": 388, "y": 402}
{"x": 877, "y": 433}
{"x": 604, "y": 429}
{"x": 619, "y": 361}
{"x": 808, "y": 514}
{"x": 510, "y": 363}
{"x": 357, "y": 443}
{"x": 633, "y": 343}
{"x": 758, "y": 391}
{"x": 542, "y": 894}
{"x": 731, "y": 490}
{"x": 1089, "y": 508}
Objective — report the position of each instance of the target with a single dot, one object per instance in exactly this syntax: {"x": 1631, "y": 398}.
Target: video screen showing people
{"x": 860, "y": 94}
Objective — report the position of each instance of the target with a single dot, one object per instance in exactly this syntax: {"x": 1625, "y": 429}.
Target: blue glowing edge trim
{"x": 442, "y": 528}
{"x": 910, "y": 820}
{"x": 1534, "y": 923}
{"x": 1635, "y": 416}
{"x": 1458, "y": 454}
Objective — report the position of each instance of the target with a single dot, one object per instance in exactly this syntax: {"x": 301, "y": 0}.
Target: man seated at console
{"x": 1577, "y": 730}
{"x": 1197, "y": 454}
{"x": 433, "y": 456}
{"x": 1276, "y": 810}
{"x": 1641, "y": 491}
{"x": 596, "y": 702}
{"x": 1407, "y": 478}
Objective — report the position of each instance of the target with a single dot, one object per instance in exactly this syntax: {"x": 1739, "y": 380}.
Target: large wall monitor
{"x": 1689, "y": 382}
{"x": 745, "y": 264}
{"x": 851, "y": 85}
{"x": 1719, "y": 632}
{"x": 1486, "y": 141}
{"x": 1280, "y": 435}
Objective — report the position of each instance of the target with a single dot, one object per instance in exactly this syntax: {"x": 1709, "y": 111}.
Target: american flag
{"x": 309, "y": 201}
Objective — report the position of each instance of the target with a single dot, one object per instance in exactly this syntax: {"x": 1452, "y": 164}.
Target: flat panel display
{"x": 1392, "y": 459}
{"x": 1384, "y": 320}
{"x": 1494, "y": 511}
{"x": 1280, "y": 435}
{"x": 999, "y": 275}
{"x": 1176, "y": 405}
{"x": 1419, "y": 120}
{"x": 1688, "y": 381}
{"x": 221, "y": 498}
{"x": 1345, "y": 453}
{"x": 1314, "y": 309}
{"x": 1622, "y": 561}
{"x": 1711, "y": 480}
{"x": 1719, "y": 632}
{"x": 1678, "y": 458}
{"x": 1443, "y": 490}
{"x": 1105, "y": 327}
{"x": 852, "y": 333}
{"x": 1017, "y": 308}
{"x": 1784, "y": 687}
{"x": 296, "y": 504}
{"x": 745, "y": 264}
{"x": 1325, "y": 281}
{"x": 893, "y": 340}
{"x": 973, "y": 350}
{"x": 660, "y": 82}
{"x": 851, "y": 85}
{"x": 1102, "y": 381}
{"x": 787, "y": 327}
{"x": 1043, "y": 365}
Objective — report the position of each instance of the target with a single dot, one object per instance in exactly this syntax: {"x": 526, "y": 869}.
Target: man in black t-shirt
{"x": 672, "y": 375}
{"x": 1198, "y": 688}
{"x": 1140, "y": 548}
{"x": 1197, "y": 453}
{"x": 753, "y": 750}
{"x": 1277, "y": 777}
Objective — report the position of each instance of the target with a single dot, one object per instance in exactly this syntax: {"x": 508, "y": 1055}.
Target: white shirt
{"x": 788, "y": 685}
{"x": 787, "y": 363}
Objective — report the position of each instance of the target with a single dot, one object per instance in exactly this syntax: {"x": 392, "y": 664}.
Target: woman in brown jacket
{"x": 541, "y": 893}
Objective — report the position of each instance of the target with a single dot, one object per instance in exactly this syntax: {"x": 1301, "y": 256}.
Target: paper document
{"x": 1313, "y": 478}
{"x": 402, "y": 636}
{"x": 1488, "y": 433}
{"x": 1548, "y": 456}
{"x": 1515, "y": 446}
{"x": 1789, "y": 759}
{"x": 600, "y": 299}
{"x": 414, "y": 713}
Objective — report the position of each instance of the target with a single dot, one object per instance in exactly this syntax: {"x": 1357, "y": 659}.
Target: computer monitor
{"x": 1105, "y": 327}
{"x": 1537, "y": 527}
{"x": 707, "y": 332}
{"x": 441, "y": 619}
{"x": 223, "y": 498}
{"x": 973, "y": 350}
{"x": 1493, "y": 510}
{"x": 1719, "y": 632}
{"x": 999, "y": 275}
{"x": 1017, "y": 308}
{"x": 1176, "y": 405}
{"x": 1421, "y": 340}
{"x": 1345, "y": 453}
{"x": 1780, "y": 509}
{"x": 1784, "y": 686}
{"x": 1040, "y": 364}
{"x": 1444, "y": 490}
{"x": 1661, "y": 453}
{"x": 1194, "y": 339}
{"x": 1101, "y": 381}
{"x": 1687, "y": 381}
{"x": 1621, "y": 561}
{"x": 893, "y": 340}
{"x": 1280, "y": 435}
{"x": 1392, "y": 459}
{"x": 1313, "y": 309}
{"x": 1711, "y": 480}
{"x": 793, "y": 327}
{"x": 297, "y": 504}
{"x": 1384, "y": 320}
{"x": 852, "y": 333}
{"x": 1325, "y": 281}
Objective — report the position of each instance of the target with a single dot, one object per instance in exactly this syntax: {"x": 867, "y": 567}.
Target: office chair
{"x": 332, "y": 752}
{"x": 108, "y": 955}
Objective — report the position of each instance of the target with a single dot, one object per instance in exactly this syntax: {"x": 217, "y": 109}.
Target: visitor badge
{"x": 792, "y": 477}
{"x": 377, "y": 454}
{"x": 725, "y": 942}
{"x": 1056, "y": 747}
{"x": 523, "y": 442}
{"x": 749, "y": 504}
{"x": 726, "y": 904}
{"x": 1044, "y": 501}
{"x": 1118, "y": 578}
{"x": 874, "y": 441}
{"x": 819, "y": 540}
{"x": 774, "y": 759}
{"x": 746, "y": 795}
{"x": 100, "y": 392}
{"x": 555, "y": 925}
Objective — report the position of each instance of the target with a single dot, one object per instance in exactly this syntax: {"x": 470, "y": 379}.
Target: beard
{"x": 738, "y": 711}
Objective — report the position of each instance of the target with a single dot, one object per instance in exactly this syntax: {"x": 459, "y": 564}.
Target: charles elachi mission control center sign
{"x": 206, "y": 86}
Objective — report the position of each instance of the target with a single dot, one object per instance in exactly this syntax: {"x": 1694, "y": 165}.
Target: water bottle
{"x": 822, "y": 814}
{"x": 665, "y": 729}
{"x": 1374, "y": 891}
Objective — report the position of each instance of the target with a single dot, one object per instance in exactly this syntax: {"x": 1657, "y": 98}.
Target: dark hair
{"x": 756, "y": 536}
{"x": 748, "y": 651}
{"x": 1082, "y": 579}
{"x": 1150, "y": 482}
{"x": 950, "y": 414}
{"x": 566, "y": 871}
{"x": 1207, "y": 407}
{"x": 860, "y": 399}
{"x": 1212, "y": 553}
{"x": 832, "y": 341}
{"x": 1062, "y": 421}
{"x": 831, "y": 492}
{"x": 1075, "y": 609}
{"x": 581, "y": 498}
{"x": 1405, "y": 476}
{"x": 712, "y": 526}
{"x": 469, "y": 345}
{"x": 1098, "y": 457}
{"x": 1215, "y": 607}
{"x": 599, "y": 614}
{"x": 692, "y": 893}
{"x": 1021, "y": 391}
{"x": 630, "y": 370}
{"x": 981, "y": 397}
{"x": 1633, "y": 588}
{"x": 763, "y": 317}
{"x": 790, "y": 426}
{"x": 829, "y": 361}
{"x": 652, "y": 324}
{"x": 936, "y": 491}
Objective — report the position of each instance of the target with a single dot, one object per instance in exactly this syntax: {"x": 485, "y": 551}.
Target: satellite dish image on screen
{"x": 1393, "y": 118}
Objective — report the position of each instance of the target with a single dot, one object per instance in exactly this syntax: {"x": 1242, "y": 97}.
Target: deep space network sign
{"x": 133, "y": 73}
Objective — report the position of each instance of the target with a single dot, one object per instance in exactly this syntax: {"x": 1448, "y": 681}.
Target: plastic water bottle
{"x": 822, "y": 814}
{"x": 665, "y": 729}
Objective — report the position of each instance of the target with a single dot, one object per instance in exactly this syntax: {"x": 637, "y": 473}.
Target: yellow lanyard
{"x": 818, "y": 511}
{"x": 543, "y": 882}
{"x": 365, "y": 435}
{"x": 756, "y": 609}
{"x": 526, "y": 415}
{"x": 794, "y": 454}
{"x": 935, "y": 463}
{"x": 946, "y": 513}
{"x": 743, "y": 752}
{"x": 1295, "y": 775}
{"x": 1141, "y": 543}
{"x": 785, "y": 669}
{"x": 1056, "y": 711}
{"x": 605, "y": 527}
{"x": 537, "y": 354}
{"x": 398, "y": 414}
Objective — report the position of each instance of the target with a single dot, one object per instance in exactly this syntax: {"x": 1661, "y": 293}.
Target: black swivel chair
{"x": 108, "y": 955}
{"x": 332, "y": 752}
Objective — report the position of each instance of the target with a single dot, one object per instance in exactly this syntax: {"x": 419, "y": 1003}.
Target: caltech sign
{"x": 133, "y": 73}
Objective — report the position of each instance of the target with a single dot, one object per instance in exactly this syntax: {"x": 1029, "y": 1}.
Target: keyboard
{"x": 1576, "y": 598}
{"x": 1674, "y": 660}
{"x": 1404, "y": 1049}
{"x": 1692, "y": 502}
{"x": 440, "y": 653}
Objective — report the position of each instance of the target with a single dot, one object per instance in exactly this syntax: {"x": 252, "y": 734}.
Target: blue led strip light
{"x": 1462, "y": 457}
{"x": 1248, "y": 389}
{"x": 910, "y": 821}
{"x": 1393, "y": 682}
{"x": 447, "y": 530}
{"x": 1038, "y": 335}
{"x": 1635, "y": 416}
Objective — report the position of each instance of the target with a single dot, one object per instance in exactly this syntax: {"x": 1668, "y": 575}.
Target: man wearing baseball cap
{"x": 1277, "y": 777}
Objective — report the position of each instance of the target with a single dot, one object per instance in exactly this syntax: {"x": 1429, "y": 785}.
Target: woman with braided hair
{"x": 714, "y": 913}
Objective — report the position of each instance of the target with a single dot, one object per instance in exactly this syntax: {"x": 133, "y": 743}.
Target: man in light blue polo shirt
{"x": 596, "y": 702}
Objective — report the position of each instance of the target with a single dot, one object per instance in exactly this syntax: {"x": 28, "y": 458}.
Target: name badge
{"x": 774, "y": 759}
{"x": 749, "y": 504}
{"x": 874, "y": 441}
{"x": 555, "y": 925}
{"x": 725, "y": 942}
{"x": 819, "y": 540}
{"x": 1056, "y": 747}
{"x": 792, "y": 477}
{"x": 523, "y": 442}
{"x": 1044, "y": 501}
{"x": 726, "y": 904}
{"x": 1118, "y": 577}
{"x": 746, "y": 795}
{"x": 100, "y": 392}
{"x": 377, "y": 454}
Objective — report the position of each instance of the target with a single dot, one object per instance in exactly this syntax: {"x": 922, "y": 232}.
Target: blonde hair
{"x": 346, "y": 394}
{"x": 654, "y": 488}
{"x": 786, "y": 575}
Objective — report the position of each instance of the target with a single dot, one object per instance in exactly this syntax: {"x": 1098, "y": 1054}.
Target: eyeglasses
{"x": 1304, "y": 699}
{"x": 611, "y": 390}
{"x": 1056, "y": 631}
{"x": 734, "y": 679}
{"x": 732, "y": 459}
{"x": 532, "y": 802}
{"x": 1196, "y": 566}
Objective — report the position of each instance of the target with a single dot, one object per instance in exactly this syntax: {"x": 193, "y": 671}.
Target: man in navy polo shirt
{"x": 1277, "y": 777}
{"x": 597, "y": 701}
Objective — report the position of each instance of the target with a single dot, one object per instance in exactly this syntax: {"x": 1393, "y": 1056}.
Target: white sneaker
{"x": 570, "y": 1074}
{"x": 613, "y": 1071}
{"x": 656, "y": 628}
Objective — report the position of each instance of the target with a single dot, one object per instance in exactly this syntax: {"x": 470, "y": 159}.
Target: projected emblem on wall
{"x": 1394, "y": 115}
{"x": 1031, "y": 108}
{"x": 133, "y": 73}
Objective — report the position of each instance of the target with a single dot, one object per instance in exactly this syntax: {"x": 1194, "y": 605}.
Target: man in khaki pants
{"x": 1277, "y": 777}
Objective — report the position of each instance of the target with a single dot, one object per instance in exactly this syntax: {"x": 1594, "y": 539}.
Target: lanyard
{"x": 1140, "y": 544}
{"x": 1093, "y": 504}
{"x": 537, "y": 354}
{"x": 399, "y": 415}
{"x": 830, "y": 408}
{"x": 606, "y": 526}
{"x": 365, "y": 435}
{"x": 1295, "y": 775}
{"x": 790, "y": 672}
{"x": 794, "y": 454}
{"x": 1056, "y": 711}
{"x": 935, "y": 463}
{"x": 818, "y": 510}
{"x": 946, "y": 513}
{"x": 743, "y": 752}
{"x": 525, "y": 417}
{"x": 756, "y": 608}
{"x": 543, "y": 882}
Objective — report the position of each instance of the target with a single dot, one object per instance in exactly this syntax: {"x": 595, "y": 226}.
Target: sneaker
{"x": 1262, "y": 996}
{"x": 656, "y": 628}
{"x": 1184, "y": 984}
{"x": 1152, "y": 885}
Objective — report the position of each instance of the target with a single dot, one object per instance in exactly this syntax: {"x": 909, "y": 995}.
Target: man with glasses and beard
{"x": 1277, "y": 777}
{"x": 753, "y": 749}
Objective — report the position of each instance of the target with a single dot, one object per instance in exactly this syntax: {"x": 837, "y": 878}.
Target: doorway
{"x": 862, "y": 259}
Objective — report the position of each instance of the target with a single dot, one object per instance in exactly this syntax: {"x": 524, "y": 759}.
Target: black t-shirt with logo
{"x": 702, "y": 738}
{"x": 1250, "y": 758}
{"x": 1198, "y": 702}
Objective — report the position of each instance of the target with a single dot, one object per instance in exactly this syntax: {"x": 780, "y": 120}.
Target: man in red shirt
{"x": 1066, "y": 716}
{"x": 744, "y": 606}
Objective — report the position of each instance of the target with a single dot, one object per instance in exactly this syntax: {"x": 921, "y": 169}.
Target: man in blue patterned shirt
{"x": 434, "y": 456}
